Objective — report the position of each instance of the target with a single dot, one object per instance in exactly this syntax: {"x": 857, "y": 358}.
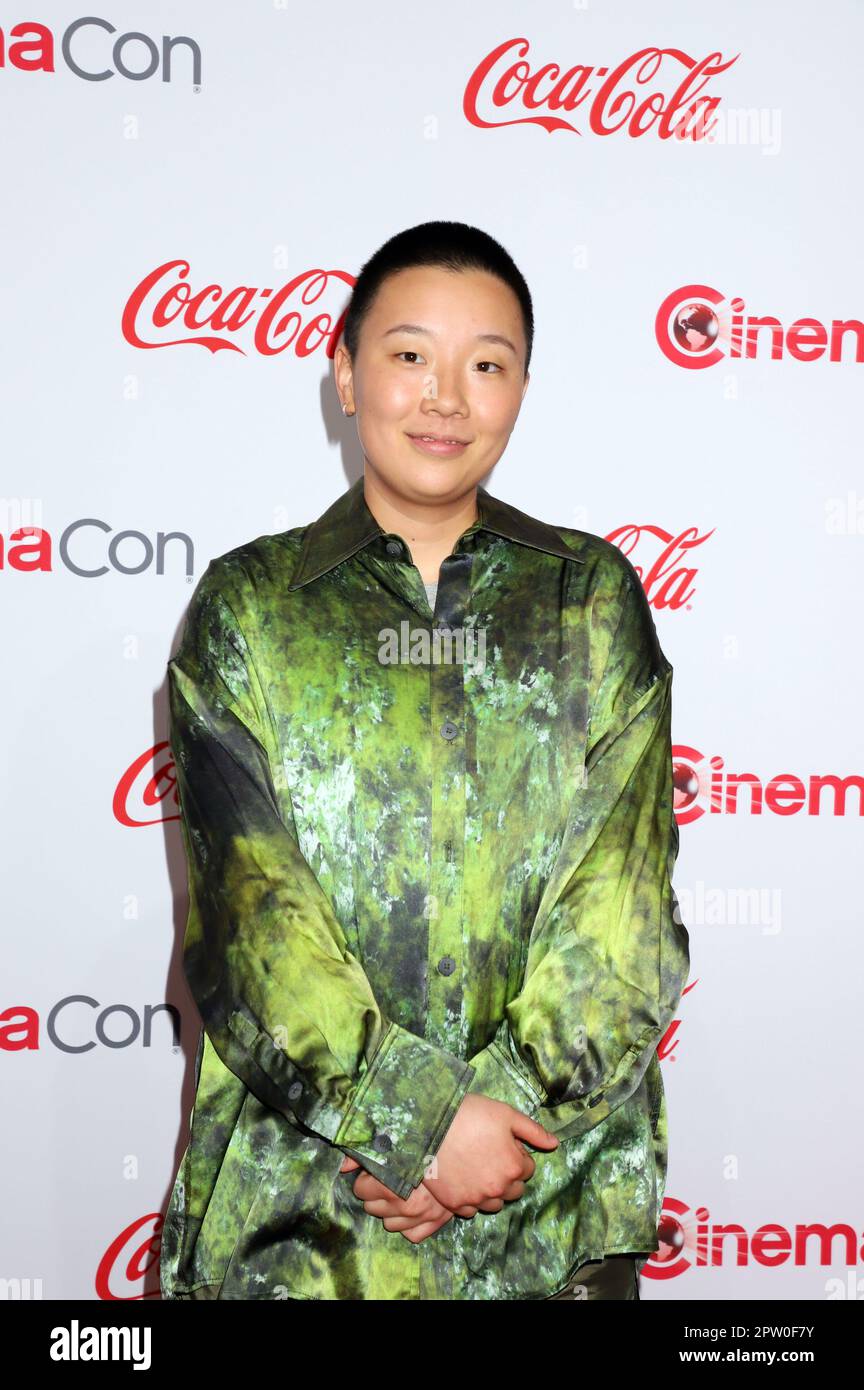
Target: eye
{"x": 408, "y": 352}
{"x": 497, "y": 367}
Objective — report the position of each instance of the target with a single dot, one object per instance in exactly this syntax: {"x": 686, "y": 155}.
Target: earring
{"x": 345, "y": 410}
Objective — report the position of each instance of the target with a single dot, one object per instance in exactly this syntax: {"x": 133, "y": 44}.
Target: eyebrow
{"x": 481, "y": 337}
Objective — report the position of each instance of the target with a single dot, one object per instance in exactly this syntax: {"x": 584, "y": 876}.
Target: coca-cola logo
{"x": 668, "y": 1045}
{"x": 668, "y": 580}
{"x": 696, "y": 326}
{"x": 129, "y": 1259}
{"x": 624, "y": 98}
{"x": 144, "y": 786}
{"x": 90, "y": 548}
{"x": 212, "y": 317}
{"x": 91, "y": 51}
{"x": 704, "y": 786}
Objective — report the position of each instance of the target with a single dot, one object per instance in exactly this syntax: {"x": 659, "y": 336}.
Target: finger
{"x": 401, "y": 1209}
{"x": 370, "y": 1189}
{"x": 513, "y": 1191}
{"x": 422, "y": 1232}
{"x": 401, "y": 1223}
{"x": 533, "y": 1133}
{"x": 385, "y": 1209}
{"x": 407, "y": 1223}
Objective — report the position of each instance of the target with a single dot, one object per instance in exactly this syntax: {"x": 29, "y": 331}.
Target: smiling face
{"x": 441, "y": 353}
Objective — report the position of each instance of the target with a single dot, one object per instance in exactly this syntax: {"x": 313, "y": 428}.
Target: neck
{"x": 430, "y": 529}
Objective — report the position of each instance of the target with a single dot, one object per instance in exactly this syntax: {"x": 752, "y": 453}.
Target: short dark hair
{"x": 452, "y": 245}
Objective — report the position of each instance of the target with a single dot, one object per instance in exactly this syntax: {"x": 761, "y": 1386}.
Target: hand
{"x": 415, "y": 1217}
{"x": 482, "y": 1162}
{"x": 503, "y": 1165}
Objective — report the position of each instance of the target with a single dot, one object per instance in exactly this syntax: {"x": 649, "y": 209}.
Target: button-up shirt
{"x": 428, "y": 853}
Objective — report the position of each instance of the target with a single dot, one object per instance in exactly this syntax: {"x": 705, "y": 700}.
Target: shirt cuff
{"x": 403, "y": 1108}
{"x": 501, "y": 1075}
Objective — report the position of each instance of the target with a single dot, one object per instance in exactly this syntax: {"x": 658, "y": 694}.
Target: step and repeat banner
{"x": 190, "y": 190}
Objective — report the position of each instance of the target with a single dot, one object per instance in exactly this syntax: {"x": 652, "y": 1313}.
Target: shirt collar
{"x": 348, "y": 525}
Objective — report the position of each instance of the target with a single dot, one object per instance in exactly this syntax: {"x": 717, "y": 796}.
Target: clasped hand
{"x": 481, "y": 1164}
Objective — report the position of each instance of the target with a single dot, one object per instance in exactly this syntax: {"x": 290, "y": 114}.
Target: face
{"x": 441, "y": 353}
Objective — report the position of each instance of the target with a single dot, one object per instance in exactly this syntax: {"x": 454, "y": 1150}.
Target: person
{"x": 423, "y": 759}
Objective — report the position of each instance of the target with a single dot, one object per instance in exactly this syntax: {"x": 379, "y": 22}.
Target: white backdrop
{"x": 286, "y": 144}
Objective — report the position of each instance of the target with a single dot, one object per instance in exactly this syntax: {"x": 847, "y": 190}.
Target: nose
{"x": 444, "y": 389}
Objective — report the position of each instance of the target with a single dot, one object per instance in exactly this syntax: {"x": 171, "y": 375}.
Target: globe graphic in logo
{"x": 685, "y": 784}
{"x": 695, "y": 327}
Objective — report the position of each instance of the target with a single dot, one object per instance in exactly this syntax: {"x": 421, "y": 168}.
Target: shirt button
{"x": 382, "y": 1142}
{"x": 295, "y": 1090}
{"x": 449, "y": 729}
{"x": 394, "y": 548}
{"x": 446, "y": 965}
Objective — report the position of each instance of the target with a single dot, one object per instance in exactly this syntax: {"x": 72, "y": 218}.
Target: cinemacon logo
{"x": 689, "y": 1239}
{"x": 90, "y": 51}
{"x": 703, "y": 786}
{"x": 697, "y": 326}
{"x": 78, "y": 1023}
{"x": 90, "y": 548}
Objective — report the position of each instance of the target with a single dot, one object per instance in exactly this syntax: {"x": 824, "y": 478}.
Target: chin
{"x": 427, "y": 480}
{"x": 435, "y": 482}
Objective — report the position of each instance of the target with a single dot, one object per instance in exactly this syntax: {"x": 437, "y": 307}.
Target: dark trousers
{"x": 615, "y": 1277}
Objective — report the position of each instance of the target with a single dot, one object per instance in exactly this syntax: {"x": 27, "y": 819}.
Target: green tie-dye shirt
{"x": 421, "y": 863}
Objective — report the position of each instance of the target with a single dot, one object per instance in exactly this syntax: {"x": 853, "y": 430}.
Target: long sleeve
{"x": 288, "y": 1007}
{"x": 608, "y": 956}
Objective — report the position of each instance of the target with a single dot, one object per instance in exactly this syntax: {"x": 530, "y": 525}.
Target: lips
{"x": 441, "y": 446}
{"x": 439, "y": 438}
